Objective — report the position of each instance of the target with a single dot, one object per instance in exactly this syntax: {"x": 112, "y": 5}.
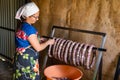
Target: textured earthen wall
{"x": 95, "y": 15}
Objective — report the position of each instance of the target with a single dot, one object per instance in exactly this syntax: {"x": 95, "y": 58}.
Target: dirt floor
{"x": 5, "y": 70}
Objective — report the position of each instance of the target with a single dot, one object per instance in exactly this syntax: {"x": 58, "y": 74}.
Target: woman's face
{"x": 33, "y": 18}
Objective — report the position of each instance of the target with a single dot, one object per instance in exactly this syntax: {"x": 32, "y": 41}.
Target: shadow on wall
{"x": 112, "y": 68}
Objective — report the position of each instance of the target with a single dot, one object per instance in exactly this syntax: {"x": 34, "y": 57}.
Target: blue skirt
{"x": 26, "y": 65}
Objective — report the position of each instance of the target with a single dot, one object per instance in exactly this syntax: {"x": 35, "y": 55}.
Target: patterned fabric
{"x": 22, "y": 35}
{"x": 26, "y": 66}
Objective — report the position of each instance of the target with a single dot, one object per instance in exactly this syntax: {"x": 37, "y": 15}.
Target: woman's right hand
{"x": 50, "y": 41}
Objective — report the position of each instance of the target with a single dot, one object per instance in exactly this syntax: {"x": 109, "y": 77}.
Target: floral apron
{"x": 26, "y": 65}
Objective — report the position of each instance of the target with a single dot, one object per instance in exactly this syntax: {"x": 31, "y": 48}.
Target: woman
{"x": 26, "y": 65}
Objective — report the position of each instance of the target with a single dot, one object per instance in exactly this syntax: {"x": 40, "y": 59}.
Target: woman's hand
{"x": 50, "y": 42}
{"x": 42, "y": 40}
{"x": 37, "y": 45}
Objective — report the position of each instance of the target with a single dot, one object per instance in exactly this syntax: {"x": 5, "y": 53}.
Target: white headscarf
{"x": 27, "y": 10}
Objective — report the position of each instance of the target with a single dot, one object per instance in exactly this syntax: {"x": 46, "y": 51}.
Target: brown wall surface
{"x": 94, "y": 15}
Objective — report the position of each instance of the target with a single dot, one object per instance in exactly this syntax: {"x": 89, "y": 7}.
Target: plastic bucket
{"x": 63, "y": 71}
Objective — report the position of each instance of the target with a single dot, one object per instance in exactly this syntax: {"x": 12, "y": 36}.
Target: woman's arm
{"x": 36, "y": 44}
